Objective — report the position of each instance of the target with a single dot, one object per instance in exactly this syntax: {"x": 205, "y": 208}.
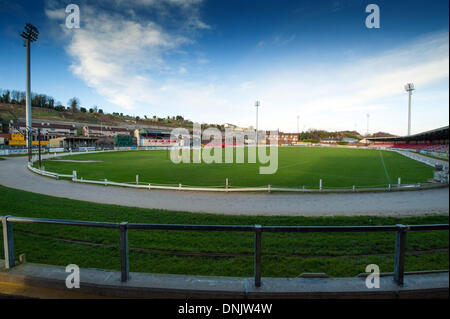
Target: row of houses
{"x": 71, "y": 135}
{"x": 56, "y": 134}
{"x": 52, "y": 130}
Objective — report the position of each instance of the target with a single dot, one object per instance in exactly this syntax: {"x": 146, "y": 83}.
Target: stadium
{"x": 300, "y": 167}
{"x": 411, "y": 168}
{"x": 98, "y": 204}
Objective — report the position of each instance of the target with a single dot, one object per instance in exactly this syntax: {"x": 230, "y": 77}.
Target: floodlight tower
{"x": 368, "y": 117}
{"x": 257, "y": 105}
{"x": 30, "y": 34}
{"x": 409, "y": 88}
{"x": 298, "y": 128}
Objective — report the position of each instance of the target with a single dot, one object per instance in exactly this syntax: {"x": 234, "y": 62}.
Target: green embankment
{"x": 212, "y": 253}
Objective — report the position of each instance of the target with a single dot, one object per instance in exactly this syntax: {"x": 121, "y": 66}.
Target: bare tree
{"x": 74, "y": 103}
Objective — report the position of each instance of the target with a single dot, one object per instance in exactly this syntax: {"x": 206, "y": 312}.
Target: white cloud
{"x": 332, "y": 96}
{"x": 202, "y": 61}
{"x": 124, "y": 57}
{"x": 118, "y": 55}
{"x": 56, "y": 14}
{"x": 182, "y": 70}
{"x": 280, "y": 40}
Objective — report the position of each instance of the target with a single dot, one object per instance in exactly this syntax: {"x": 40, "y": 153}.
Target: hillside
{"x": 313, "y": 134}
{"x": 14, "y": 111}
{"x": 382, "y": 134}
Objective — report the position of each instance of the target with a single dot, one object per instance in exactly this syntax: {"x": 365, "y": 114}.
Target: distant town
{"x": 73, "y": 127}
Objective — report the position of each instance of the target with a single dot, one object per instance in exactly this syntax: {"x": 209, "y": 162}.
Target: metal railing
{"x": 227, "y": 188}
{"x": 399, "y": 254}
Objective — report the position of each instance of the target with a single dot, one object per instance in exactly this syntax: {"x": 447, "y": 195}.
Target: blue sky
{"x": 209, "y": 60}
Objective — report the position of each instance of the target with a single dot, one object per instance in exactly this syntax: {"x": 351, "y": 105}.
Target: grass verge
{"x": 213, "y": 253}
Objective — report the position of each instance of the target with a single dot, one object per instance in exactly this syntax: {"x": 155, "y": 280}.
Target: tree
{"x": 15, "y": 97}
{"x": 100, "y": 111}
{"x": 304, "y": 136}
{"x": 6, "y": 98}
{"x": 91, "y": 110}
{"x": 21, "y": 97}
{"x": 51, "y": 102}
{"x": 83, "y": 109}
{"x": 60, "y": 108}
{"x": 74, "y": 103}
{"x": 34, "y": 100}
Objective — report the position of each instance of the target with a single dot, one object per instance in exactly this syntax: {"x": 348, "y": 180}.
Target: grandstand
{"x": 150, "y": 137}
{"x": 433, "y": 142}
{"x": 441, "y": 148}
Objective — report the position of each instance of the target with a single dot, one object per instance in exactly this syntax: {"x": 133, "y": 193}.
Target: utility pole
{"x": 257, "y": 105}
{"x": 30, "y": 34}
{"x": 409, "y": 88}
{"x": 298, "y": 127}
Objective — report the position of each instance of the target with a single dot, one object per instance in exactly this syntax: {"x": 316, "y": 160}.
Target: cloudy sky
{"x": 209, "y": 60}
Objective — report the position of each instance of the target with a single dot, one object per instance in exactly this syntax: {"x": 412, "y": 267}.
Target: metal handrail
{"x": 123, "y": 227}
{"x": 269, "y": 188}
{"x": 61, "y": 222}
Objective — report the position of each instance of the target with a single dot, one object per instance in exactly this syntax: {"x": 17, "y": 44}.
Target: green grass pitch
{"x": 297, "y": 167}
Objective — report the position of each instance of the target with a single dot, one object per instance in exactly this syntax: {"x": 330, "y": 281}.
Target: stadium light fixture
{"x": 257, "y": 106}
{"x": 30, "y": 34}
{"x": 409, "y": 87}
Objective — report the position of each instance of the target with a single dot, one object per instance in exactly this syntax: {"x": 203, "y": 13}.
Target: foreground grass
{"x": 212, "y": 253}
{"x": 15, "y": 155}
{"x": 297, "y": 167}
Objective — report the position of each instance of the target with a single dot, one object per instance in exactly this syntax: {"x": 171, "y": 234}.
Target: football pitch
{"x": 297, "y": 167}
